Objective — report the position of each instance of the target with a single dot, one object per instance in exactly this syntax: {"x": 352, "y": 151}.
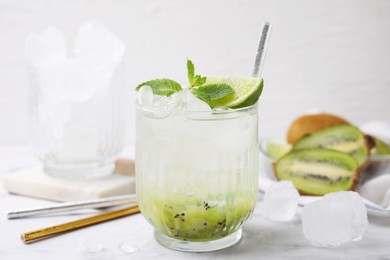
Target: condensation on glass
{"x": 197, "y": 175}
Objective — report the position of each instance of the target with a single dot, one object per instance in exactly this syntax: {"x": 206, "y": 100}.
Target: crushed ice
{"x": 128, "y": 247}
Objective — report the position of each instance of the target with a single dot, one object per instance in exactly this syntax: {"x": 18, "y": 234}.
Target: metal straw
{"x": 33, "y": 236}
{"x": 259, "y": 62}
{"x": 67, "y": 206}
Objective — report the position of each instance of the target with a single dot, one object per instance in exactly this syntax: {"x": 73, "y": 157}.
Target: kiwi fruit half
{"x": 318, "y": 171}
{"x": 343, "y": 138}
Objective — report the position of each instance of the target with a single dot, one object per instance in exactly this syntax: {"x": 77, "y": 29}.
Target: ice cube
{"x": 70, "y": 81}
{"x": 145, "y": 96}
{"x": 128, "y": 247}
{"x": 95, "y": 43}
{"x": 195, "y": 104}
{"x": 336, "y": 219}
{"x": 98, "y": 53}
{"x": 165, "y": 103}
{"x": 46, "y": 47}
{"x": 156, "y": 106}
{"x": 280, "y": 201}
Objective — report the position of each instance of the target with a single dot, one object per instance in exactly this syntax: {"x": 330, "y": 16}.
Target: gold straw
{"x": 33, "y": 236}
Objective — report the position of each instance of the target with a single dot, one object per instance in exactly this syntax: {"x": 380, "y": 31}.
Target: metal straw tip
{"x": 261, "y": 50}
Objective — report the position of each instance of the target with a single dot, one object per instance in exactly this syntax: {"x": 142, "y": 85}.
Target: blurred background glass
{"x": 77, "y": 101}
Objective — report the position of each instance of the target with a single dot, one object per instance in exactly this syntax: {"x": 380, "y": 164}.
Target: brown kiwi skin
{"x": 355, "y": 180}
{"x": 370, "y": 141}
{"x": 308, "y": 124}
{"x": 373, "y": 167}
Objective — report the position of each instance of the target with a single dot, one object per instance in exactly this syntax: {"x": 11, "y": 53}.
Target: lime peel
{"x": 246, "y": 91}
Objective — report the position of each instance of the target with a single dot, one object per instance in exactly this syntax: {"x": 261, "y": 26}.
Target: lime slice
{"x": 246, "y": 91}
{"x": 277, "y": 150}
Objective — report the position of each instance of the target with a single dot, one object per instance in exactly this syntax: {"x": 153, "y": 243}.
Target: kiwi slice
{"x": 318, "y": 171}
{"x": 380, "y": 147}
{"x": 343, "y": 138}
{"x": 277, "y": 150}
{"x": 197, "y": 220}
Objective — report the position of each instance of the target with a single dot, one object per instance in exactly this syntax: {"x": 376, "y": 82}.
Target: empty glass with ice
{"x": 78, "y": 101}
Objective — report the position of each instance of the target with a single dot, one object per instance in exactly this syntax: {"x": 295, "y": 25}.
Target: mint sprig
{"x": 194, "y": 80}
{"x": 209, "y": 93}
{"x": 206, "y": 92}
{"x": 161, "y": 87}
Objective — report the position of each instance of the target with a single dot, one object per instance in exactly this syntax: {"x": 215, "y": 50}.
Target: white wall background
{"x": 332, "y": 55}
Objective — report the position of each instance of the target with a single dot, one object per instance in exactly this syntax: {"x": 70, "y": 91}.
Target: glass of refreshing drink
{"x": 197, "y": 159}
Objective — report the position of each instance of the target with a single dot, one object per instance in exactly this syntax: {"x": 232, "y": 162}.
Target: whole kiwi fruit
{"x": 310, "y": 123}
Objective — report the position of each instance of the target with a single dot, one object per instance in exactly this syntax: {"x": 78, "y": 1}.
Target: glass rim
{"x": 179, "y": 111}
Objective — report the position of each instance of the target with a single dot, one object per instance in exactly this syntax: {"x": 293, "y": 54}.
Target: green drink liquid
{"x": 191, "y": 219}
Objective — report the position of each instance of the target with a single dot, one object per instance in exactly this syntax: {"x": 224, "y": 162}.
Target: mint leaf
{"x": 199, "y": 80}
{"x": 161, "y": 87}
{"x": 194, "y": 80}
{"x": 211, "y": 92}
{"x": 190, "y": 71}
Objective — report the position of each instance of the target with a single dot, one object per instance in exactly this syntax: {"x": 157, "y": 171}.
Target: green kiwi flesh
{"x": 380, "y": 147}
{"x": 343, "y": 138}
{"x": 318, "y": 171}
{"x": 192, "y": 219}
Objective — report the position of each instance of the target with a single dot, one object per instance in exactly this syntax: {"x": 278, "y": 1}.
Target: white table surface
{"x": 262, "y": 238}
